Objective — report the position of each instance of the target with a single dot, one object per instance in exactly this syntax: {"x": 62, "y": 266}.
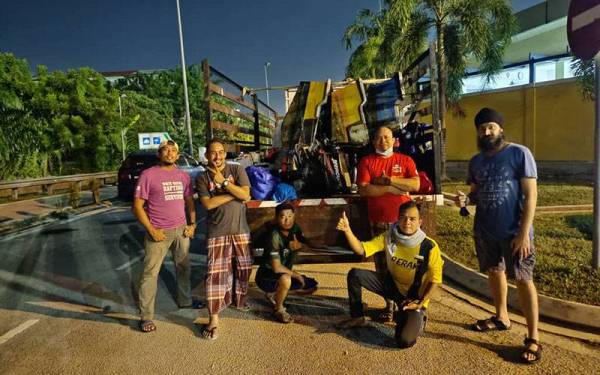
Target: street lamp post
{"x": 122, "y": 128}
{"x": 267, "y": 81}
{"x": 185, "y": 88}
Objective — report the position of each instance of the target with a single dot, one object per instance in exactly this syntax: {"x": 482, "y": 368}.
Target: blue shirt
{"x": 499, "y": 194}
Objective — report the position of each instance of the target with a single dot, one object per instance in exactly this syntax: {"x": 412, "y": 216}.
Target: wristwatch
{"x": 224, "y": 184}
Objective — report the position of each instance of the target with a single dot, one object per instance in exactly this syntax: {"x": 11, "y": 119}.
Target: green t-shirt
{"x": 278, "y": 247}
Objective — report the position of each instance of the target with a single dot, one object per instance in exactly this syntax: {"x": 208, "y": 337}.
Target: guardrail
{"x": 49, "y": 185}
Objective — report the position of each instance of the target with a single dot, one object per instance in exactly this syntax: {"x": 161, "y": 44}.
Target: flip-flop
{"x": 385, "y": 316}
{"x": 209, "y": 334}
{"x": 283, "y": 316}
{"x": 489, "y": 324}
{"x": 147, "y": 326}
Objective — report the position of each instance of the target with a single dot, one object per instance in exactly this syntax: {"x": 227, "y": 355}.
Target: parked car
{"x": 136, "y": 162}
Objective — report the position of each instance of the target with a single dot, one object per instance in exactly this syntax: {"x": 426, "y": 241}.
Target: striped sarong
{"x": 220, "y": 274}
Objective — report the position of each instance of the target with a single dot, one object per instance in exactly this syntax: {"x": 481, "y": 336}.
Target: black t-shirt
{"x": 229, "y": 218}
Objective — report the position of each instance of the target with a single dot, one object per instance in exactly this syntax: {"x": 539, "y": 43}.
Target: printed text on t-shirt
{"x": 173, "y": 190}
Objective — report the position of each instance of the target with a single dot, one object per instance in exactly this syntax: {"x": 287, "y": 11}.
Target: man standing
{"x": 160, "y": 196}
{"x": 504, "y": 189}
{"x": 385, "y": 178}
{"x": 223, "y": 191}
{"x": 415, "y": 267}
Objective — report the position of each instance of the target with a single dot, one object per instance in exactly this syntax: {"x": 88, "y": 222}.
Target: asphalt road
{"x": 68, "y": 306}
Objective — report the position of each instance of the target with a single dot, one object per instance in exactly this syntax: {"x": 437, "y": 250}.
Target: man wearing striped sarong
{"x": 222, "y": 190}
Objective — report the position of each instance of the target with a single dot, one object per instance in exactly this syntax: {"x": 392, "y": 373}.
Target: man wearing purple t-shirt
{"x": 162, "y": 194}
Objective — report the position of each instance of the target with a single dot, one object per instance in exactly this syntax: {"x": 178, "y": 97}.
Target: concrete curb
{"x": 573, "y": 313}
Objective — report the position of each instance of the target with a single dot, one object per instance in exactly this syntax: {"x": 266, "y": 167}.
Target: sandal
{"x": 489, "y": 324}
{"x": 536, "y": 353}
{"x": 283, "y": 316}
{"x": 147, "y": 326}
{"x": 209, "y": 334}
{"x": 385, "y": 316}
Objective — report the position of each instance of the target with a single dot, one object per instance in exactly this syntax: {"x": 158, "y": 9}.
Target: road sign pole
{"x": 596, "y": 242}
{"x": 583, "y": 34}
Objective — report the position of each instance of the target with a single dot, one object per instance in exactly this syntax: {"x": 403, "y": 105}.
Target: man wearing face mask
{"x": 503, "y": 185}
{"x": 385, "y": 178}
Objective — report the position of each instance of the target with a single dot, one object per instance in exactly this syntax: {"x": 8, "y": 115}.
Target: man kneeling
{"x": 414, "y": 266}
{"x": 275, "y": 275}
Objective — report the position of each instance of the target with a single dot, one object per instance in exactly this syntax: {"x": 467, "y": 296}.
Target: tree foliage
{"x": 463, "y": 29}
{"x": 391, "y": 40}
{"x": 23, "y": 151}
{"x": 164, "y": 92}
{"x": 70, "y": 122}
{"x": 584, "y": 74}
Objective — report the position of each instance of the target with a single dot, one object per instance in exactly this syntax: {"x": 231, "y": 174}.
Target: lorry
{"x": 250, "y": 127}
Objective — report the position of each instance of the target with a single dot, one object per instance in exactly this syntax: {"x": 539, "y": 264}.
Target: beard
{"x": 490, "y": 143}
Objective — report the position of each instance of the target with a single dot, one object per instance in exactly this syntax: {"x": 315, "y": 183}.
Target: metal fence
{"x": 50, "y": 185}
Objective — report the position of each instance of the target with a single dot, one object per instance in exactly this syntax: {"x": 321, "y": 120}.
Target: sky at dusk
{"x": 301, "y": 39}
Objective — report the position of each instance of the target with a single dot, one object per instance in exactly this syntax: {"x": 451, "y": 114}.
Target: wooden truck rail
{"x": 318, "y": 217}
{"x": 246, "y": 122}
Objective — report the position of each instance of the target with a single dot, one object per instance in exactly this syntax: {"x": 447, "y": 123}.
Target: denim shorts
{"x": 496, "y": 255}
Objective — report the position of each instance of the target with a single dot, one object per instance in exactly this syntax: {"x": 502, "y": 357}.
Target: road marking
{"x": 15, "y": 331}
{"x": 134, "y": 260}
{"x": 585, "y": 18}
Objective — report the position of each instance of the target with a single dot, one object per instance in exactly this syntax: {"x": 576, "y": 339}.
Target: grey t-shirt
{"x": 499, "y": 194}
{"x": 229, "y": 218}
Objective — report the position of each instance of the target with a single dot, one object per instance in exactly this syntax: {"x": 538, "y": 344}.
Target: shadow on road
{"x": 506, "y": 352}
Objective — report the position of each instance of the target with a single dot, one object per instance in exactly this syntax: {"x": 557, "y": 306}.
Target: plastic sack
{"x": 262, "y": 181}
{"x": 284, "y": 192}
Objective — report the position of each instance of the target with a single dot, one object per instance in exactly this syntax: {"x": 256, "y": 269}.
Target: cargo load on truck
{"x": 311, "y": 154}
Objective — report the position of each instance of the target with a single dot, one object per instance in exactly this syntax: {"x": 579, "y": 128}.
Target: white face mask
{"x": 385, "y": 153}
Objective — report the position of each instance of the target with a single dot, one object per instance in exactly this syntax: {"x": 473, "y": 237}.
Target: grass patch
{"x": 549, "y": 194}
{"x": 563, "y": 251}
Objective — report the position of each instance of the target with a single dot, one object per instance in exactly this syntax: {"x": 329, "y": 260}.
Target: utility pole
{"x": 185, "y": 88}
{"x": 267, "y": 81}
{"x": 122, "y": 129}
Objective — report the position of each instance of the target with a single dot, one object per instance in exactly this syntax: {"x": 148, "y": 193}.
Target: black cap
{"x": 489, "y": 115}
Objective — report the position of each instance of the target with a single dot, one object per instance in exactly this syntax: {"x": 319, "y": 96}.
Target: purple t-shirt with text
{"x": 164, "y": 192}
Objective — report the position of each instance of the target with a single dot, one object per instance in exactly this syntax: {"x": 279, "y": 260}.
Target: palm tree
{"x": 369, "y": 60}
{"x": 464, "y": 30}
{"x": 584, "y": 73}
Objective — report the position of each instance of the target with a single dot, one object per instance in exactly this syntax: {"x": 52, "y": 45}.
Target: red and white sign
{"x": 583, "y": 28}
